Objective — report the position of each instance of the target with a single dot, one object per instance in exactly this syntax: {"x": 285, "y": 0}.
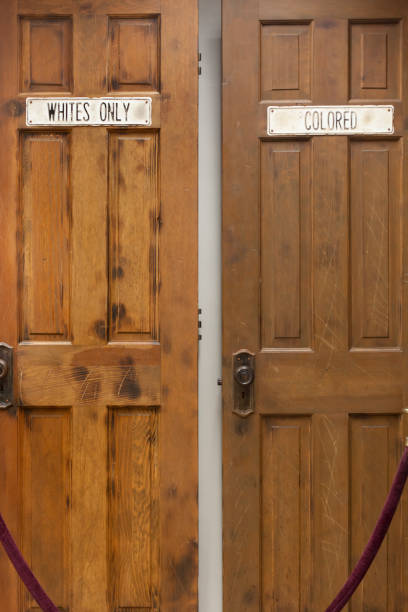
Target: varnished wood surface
{"x": 9, "y": 584}
{"x": 314, "y": 265}
{"x": 98, "y": 286}
{"x": 63, "y": 376}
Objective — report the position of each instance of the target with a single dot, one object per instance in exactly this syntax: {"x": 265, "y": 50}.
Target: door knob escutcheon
{"x": 244, "y": 375}
{"x": 3, "y": 368}
{"x": 6, "y": 375}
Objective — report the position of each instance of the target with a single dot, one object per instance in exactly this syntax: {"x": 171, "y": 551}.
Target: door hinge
{"x": 200, "y": 323}
{"x": 199, "y": 60}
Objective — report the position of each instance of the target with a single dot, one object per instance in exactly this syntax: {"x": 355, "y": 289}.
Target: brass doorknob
{"x": 3, "y": 368}
{"x": 244, "y": 375}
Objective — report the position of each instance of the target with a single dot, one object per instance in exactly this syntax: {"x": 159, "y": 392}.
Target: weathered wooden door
{"x": 315, "y": 271}
{"x": 98, "y": 474}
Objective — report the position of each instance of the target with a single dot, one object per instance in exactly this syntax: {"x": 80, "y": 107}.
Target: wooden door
{"x": 98, "y": 284}
{"x": 315, "y": 285}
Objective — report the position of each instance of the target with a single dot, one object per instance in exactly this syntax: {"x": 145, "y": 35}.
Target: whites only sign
{"x": 330, "y": 120}
{"x": 89, "y": 111}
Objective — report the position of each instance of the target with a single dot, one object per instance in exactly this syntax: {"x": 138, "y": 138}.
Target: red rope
{"x": 338, "y": 603}
{"x": 24, "y": 571}
{"x": 376, "y": 538}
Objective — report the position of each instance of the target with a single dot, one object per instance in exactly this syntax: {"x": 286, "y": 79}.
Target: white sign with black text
{"x": 89, "y": 111}
{"x": 330, "y": 120}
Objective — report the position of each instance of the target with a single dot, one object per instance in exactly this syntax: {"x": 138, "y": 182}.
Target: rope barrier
{"x": 24, "y": 571}
{"x": 376, "y": 538}
{"x": 337, "y": 604}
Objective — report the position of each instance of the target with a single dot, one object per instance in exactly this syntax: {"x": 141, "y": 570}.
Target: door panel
{"x": 314, "y": 261}
{"x": 99, "y": 302}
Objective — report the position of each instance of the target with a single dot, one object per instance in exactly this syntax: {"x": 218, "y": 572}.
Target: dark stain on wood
{"x": 27, "y": 419}
{"x": 113, "y": 443}
{"x": 90, "y": 390}
{"x": 100, "y": 329}
{"x": 80, "y": 373}
{"x": 172, "y": 491}
{"x": 117, "y": 272}
{"x": 121, "y": 180}
{"x": 26, "y": 335}
{"x": 166, "y": 346}
{"x": 249, "y": 596}
{"x": 12, "y": 411}
{"x": 327, "y": 24}
{"x": 112, "y": 421}
{"x": 164, "y": 391}
{"x": 15, "y": 108}
{"x": 241, "y": 427}
{"x": 118, "y": 312}
{"x": 128, "y": 385}
{"x": 186, "y": 358}
{"x": 151, "y": 437}
{"x": 128, "y": 360}
{"x": 185, "y": 570}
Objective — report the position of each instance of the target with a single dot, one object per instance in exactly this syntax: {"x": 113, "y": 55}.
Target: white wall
{"x": 210, "y": 517}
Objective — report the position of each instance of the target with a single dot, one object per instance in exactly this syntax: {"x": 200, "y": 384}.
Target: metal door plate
{"x": 6, "y": 376}
{"x": 243, "y": 366}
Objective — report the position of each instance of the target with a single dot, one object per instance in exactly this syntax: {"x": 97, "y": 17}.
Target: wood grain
{"x": 375, "y": 199}
{"x": 45, "y": 264}
{"x": 134, "y": 47}
{"x": 9, "y": 168}
{"x": 105, "y": 376}
{"x": 286, "y": 512}
{"x": 178, "y": 307}
{"x": 89, "y": 508}
{"x": 314, "y": 251}
{"x": 286, "y": 61}
{"x": 133, "y": 247}
{"x": 54, "y": 34}
{"x": 374, "y": 456}
{"x": 241, "y": 439}
{"x": 89, "y": 278}
{"x": 375, "y": 60}
{"x": 331, "y": 486}
{"x": 379, "y": 9}
{"x": 134, "y": 509}
{"x": 286, "y": 250}
{"x": 46, "y": 495}
{"x": 104, "y": 534}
